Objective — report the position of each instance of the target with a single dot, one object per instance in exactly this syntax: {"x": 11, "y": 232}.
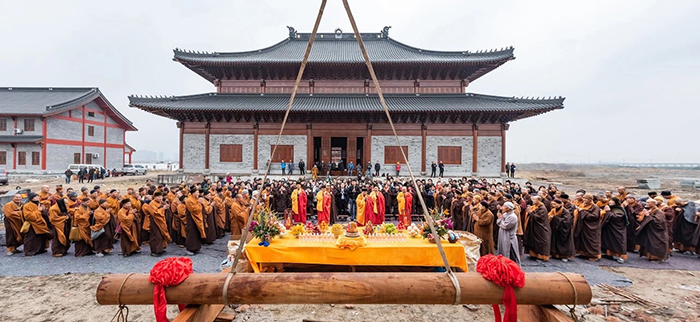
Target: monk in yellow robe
{"x": 360, "y": 202}
{"x": 103, "y": 243}
{"x": 159, "y": 233}
{"x": 81, "y": 220}
{"x": 58, "y": 216}
{"x": 401, "y": 199}
{"x": 219, "y": 212}
{"x": 195, "y": 222}
{"x": 240, "y": 211}
{"x": 13, "y": 224}
{"x": 45, "y": 197}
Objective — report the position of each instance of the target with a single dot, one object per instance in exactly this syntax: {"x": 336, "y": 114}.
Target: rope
{"x": 572, "y": 309}
{"x": 122, "y": 314}
{"x": 450, "y": 273}
{"x": 244, "y": 233}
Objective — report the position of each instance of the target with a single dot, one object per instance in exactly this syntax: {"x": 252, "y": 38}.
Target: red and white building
{"x": 46, "y": 129}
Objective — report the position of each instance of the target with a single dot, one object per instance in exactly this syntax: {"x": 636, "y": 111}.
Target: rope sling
{"x": 428, "y": 219}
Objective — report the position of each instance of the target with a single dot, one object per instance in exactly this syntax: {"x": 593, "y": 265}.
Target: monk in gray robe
{"x": 507, "y": 236}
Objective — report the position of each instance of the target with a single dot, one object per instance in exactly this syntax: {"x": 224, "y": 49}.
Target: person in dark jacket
{"x": 433, "y": 170}
{"x": 442, "y": 169}
{"x": 377, "y": 167}
{"x": 302, "y": 167}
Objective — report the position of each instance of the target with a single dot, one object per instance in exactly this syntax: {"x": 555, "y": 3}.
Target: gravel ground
{"x": 208, "y": 260}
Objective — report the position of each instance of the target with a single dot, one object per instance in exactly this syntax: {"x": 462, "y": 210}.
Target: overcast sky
{"x": 628, "y": 69}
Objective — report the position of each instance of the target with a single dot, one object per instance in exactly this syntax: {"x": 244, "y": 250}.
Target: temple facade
{"x": 336, "y": 117}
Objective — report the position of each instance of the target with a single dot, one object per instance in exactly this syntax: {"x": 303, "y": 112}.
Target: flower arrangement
{"x": 323, "y": 226}
{"x": 265, "y": 226}
{"x": 298, "y": 230}
{"x": 441, "y": 223}
{"x": 337, "y": 230}
{"x": 369, "y": 229}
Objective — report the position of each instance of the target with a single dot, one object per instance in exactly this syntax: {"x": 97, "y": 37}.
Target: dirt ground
{"x": 71, "y": 297}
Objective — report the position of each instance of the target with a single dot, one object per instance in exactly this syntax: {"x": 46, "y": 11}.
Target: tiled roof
{"x": 329, "y": 48}
{"x": 51, "y": 100}
{"x": 339, "y": 103}
{"x": 23, "y": 100}
{"x": 21, "y": 138}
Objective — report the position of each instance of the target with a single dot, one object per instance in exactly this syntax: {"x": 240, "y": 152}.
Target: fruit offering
{"x": 413, "y": 231}
{"x": 323, "y": 226}
{"x": 401, "y": 226}
{"x": 298, "y": 230}
{"x": 369, "y": 228}
{"x": 388, "y": 229}
{"x": 337, "y": 230}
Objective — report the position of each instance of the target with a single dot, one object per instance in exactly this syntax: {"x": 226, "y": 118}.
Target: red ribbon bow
{"x": 168, "y": 272}
{"x": 503, "y": 272}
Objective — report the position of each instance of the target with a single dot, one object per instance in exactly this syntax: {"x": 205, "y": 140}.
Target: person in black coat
{"x": 433, "y": 170}
{"x": 302, "y": 167}
{"x": 377, "y": 167}
{"x": 442, "y": 169}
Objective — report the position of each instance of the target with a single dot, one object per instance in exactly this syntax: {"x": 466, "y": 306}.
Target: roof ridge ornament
{"x": 385, "y": 32}
{"x": 292, "y": 32}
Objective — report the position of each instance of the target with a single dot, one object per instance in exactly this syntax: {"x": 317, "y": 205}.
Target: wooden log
{"x": 345, "y": 288}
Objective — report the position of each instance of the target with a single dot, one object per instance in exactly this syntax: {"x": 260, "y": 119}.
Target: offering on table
{"x": 323, "y": 226}
{"x": 297, "y": 230}
{"x": 369, "y": 228}
{"x": 413, "y": 231}
{"x": 337, "y": 230}
{"x": 401, "y": 226}
{"x": 352, "y": 231}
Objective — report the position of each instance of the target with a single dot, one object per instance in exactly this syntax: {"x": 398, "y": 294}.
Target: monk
{"x": 36, "y": 239}
{"x": 360, "y": 202}
{"x": 633, "y": 209}
{"x": 180, "y": 221}
{"x": 483, "y": 226}
{"x": 538, "y": 231}
{"x": 381, "y": 206}
{"x": 220, "y": 213}
{"x": 13, "y": 224}
{"x": 240, "y": 210}
{"x": 209, "y": 221}
{"x": 613, "y": 235}
{"x": 60, "y": 220}
{"x": 404, "y": 217}
{"x": 129, "y": 241}
{"x": 507, "y": 238}
{"x": 561, "y": 222}
{"x": 299, "y": 204}
{"x": 195, "y": 222}
{"x": 587, "y": 229}
{"x": 45, "y": 197}
{"x": 685, "y": 225}
{"x": 81, "y": 220}
{"x": 102, "y": 244}
{"x": 370, "y": 214}
{"x": 58, "y": 194}
{"x": 160, "y": 236}
{"x": 327, "y": 200}
{"x": 653, "y": 234}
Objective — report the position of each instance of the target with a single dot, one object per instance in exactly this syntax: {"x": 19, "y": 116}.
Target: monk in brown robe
{"x": 561, "y": 221}
{"x": 669, "y": 211}
{"x": 81, "y": 220}
{"x": 483, "y": 226}
{"x": 129, "y": 241}
{"x": 179, "y": 221}
{"x": 37, "y": 238}
{"x": 685, "y": 225}
{"x": 160, "y": 237}
{"x": 103, "y": 244}
{"x": 587, "y": 229}
{"x": 633, "y": 208}
{"x": 240, "y": 211}
{"x": 60, "y": 220}
{"x": 613, "y": 235}
{"x": 653, "y": 233}
{"x": 13, "y": 224}
{"x": 195, "y": 222}
{"x": 537, "y": 231}
{"x": 219, "y": 213}
{"x": 209, "y": 220}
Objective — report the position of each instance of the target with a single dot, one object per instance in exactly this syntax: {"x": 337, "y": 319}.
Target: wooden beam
{"x": 541, "y": 313}
{"x": 200, "y": 313}
{"x": 345, "y": 288}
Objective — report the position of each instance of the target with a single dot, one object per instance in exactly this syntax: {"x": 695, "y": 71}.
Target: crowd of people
{"x": 510, "y": 219}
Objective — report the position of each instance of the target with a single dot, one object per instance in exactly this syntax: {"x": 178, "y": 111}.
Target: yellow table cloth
{"x": 414, "y": 252}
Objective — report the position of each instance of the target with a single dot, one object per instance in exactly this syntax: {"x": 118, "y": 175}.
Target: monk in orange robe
{"x": 240, "y": 210}
{"x": 195, "y": 222}
{"x": 159, "y": 235}
{"x": 45, "y": 197}
{"x": 81, "y": 220}
{"x": 13, "y": 224}
{"x": 103, "y": 243}
{"x": 37, "y": 238}
{"x": 129, "y": 241}
{"x": 59, "y": 218}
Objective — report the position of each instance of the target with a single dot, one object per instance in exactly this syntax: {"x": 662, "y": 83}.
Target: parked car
{"x": 134, "y": 169}
{"x": 3, "y": 177}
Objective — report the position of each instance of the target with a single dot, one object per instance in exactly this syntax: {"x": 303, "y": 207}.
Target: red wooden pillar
{"x": 368, "y": 147}
{"x": 82, "y": 117}
{"x": 43, "y": 145}
{"x": 104, "y": 131}
{"x": 309, "y": 147}
{"x": 129, "y": 157}
{"x": 475, "y": 147}
{"x": 255, "y": 146}
{"x": 424, "y": 132}
{"x": 206, "y": 145}
{"x": 181, "y": 125}
{"x": 503, "y": 148}
{"x": 14, "y": 147}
